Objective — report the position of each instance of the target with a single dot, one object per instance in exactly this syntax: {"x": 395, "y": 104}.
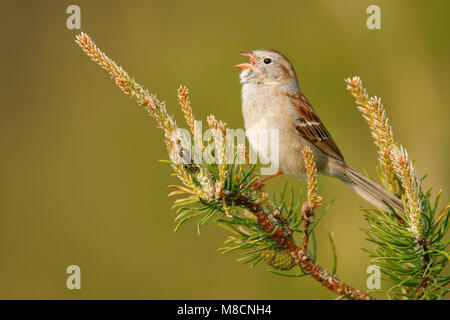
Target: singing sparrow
{"x": 272, "y": 99}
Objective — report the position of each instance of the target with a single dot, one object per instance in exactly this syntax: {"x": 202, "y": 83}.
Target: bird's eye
{"x": 267, "y": 60}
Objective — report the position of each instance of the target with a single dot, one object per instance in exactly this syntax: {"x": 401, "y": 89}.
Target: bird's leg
{"x": 258, "y": 184}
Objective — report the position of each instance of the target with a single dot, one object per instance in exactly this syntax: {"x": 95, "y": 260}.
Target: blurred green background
{"x": 80, "y": 178}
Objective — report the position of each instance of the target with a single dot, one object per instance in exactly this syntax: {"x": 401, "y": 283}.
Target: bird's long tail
{"x": 370, "y": 191}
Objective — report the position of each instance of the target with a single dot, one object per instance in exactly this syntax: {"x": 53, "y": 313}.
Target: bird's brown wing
{"x": 311, "y": 128}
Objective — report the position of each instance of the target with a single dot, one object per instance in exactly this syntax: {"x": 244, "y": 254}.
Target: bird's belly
{"x": 274, "y": 138}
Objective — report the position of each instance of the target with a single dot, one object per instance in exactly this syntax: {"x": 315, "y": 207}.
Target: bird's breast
{"x": 266, "y": 108}
{"x": 270, "y": 118}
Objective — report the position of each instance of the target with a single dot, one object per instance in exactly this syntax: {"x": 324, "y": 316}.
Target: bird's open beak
{"x": 252, "y": 63}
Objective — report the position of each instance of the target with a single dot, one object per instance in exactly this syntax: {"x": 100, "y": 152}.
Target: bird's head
{"x": 266, "y": 66}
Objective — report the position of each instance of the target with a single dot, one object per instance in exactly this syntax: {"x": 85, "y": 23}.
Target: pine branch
{"x": 300, "y": 255}
{"x": 411, "y": 252}
{"x": 410, "y": 237}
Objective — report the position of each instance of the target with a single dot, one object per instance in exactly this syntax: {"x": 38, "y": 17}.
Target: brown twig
{"x": 300, "y": 255}
{"x": 307, "y": 214}
{"x": 426, "y": 279}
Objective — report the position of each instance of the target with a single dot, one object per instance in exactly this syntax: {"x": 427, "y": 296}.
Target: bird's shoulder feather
{"x": 310, "y": 126}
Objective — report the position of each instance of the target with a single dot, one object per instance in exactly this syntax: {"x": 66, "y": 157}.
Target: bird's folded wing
{"x": 311, "y": 128}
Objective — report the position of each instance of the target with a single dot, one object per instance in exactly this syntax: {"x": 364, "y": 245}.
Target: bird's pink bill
{"x": 244, "y": 66}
